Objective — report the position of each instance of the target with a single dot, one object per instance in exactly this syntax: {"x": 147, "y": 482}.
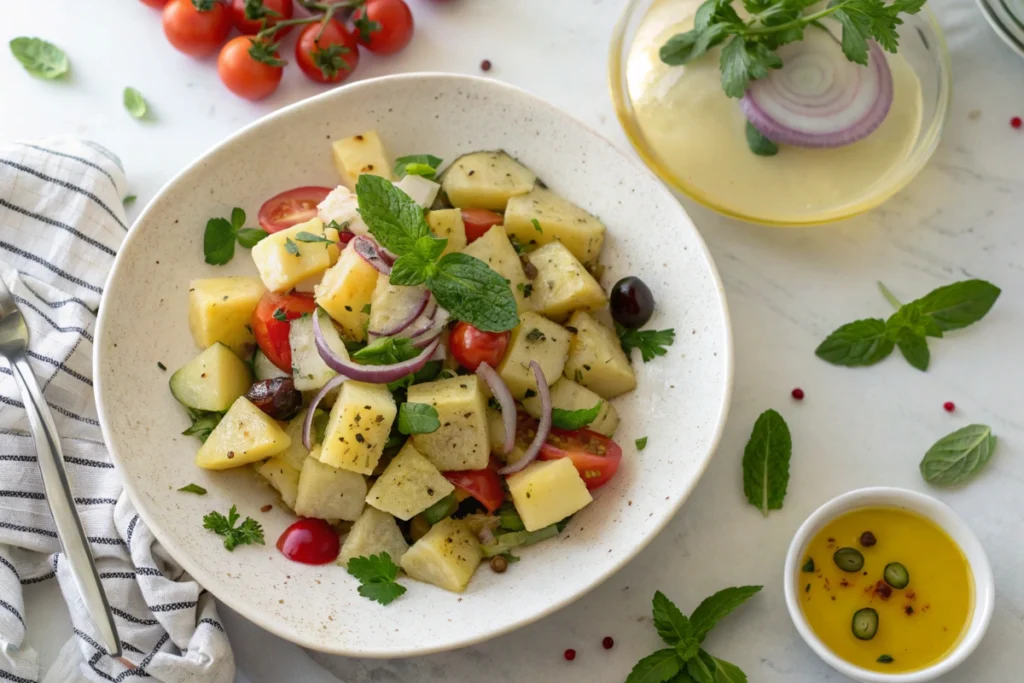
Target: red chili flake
{"x": 949, "y": 405}
{"x": 569, "y": 655}
{"x": 909, "y": 610}
{"x": 1016, "y": 122}
{"x": 485, "y": 65}
{"x": 607, "y": 643}
{"x": 798, "y": 394}
{"x": 883, "y": 590}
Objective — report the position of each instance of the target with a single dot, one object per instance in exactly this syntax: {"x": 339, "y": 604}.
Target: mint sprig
{"x": 221, "y": 234}
{"x": 766, "y": 462}
{"x": 467, "y": 287}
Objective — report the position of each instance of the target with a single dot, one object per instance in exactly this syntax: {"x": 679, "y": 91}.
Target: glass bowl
{"x": 921, "y": 44}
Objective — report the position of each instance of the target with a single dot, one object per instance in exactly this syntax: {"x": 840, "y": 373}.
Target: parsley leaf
{"x": 574, "y": 419}
{"x": 193, "y": 488}
{"x": 641, "y": 443}
{"x": 417, "y": 418}
{"x": 219, "y": 241}
{"x": 248, "y": 532}
{"x": 474, "y": 293}
{"x": 651, "y": 343}
{"x": 376, "y": 574}
{"x": 386, "y": 351}
{"x": 250, "y": 237}
{"x": 418, "y": 164}
{"x": 766, "y": 462}
{"x": 134, "y": 103}
{"x": 40, "y": 58}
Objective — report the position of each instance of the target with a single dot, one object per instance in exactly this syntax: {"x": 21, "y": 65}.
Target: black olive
{"x": 276, "y": 397}
{"x": 632, "y": 303}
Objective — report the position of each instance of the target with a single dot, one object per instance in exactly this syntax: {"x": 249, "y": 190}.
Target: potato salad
{"x": 422, "y": 369}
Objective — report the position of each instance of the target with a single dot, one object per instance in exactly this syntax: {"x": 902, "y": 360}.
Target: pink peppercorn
{"x": 798, "y": 394}
{"x": 607, "y": 643}
{"x": 1016, "y": 122}
{"x": 569, "y": 655}
{"x": 949, "y": 406}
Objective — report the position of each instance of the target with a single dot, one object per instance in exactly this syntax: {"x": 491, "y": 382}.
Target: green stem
{"x": 796, "y": 23}
{"x": 889, "y": 296}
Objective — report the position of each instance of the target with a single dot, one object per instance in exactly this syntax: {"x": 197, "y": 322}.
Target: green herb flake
{"x": 425, "y": 165}
{"x": 40, "y": 58}
{"x": 386, "y": 351}
{"x": 766, "y": 462}
{"x": 758, "y": 143}
{"x": 291, "y": 247}
{"x": 193, "y": 488}
{"x": 808, "y": 567}
{"x": 641, "y": 443}
{"x": 365, "y": 309}
{"x": 575, "y": 419}
{"x": 535, "y": 335}
{"x": 885, "y": 659}
{"x": 376, "y": 575}
{"x": 304, "y": 236}
{"x": 652, "y": 343}
{"x": 417, "y": 418}
{"x": 249, "y": 532}
{"x": 134, "y": 103}
{"x": 129, "y": 200}
{"x": 957, "y": 457}
{"x": 536, "y": 225}
{"x": 279, "y": 314}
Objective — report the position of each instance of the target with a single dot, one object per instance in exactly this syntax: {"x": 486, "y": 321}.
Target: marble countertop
{"x": 962, "y": 217}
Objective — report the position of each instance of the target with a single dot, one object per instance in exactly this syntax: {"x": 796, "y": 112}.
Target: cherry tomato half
{"x": 328, "y": 53}
{"x": 595, "y": 456}
{"x": 271, "y": 11}
{"x": 484, "y": 485}
{"x": 383, "y": 26}
{"x": 291, "y": 207}
{"x": 310, "y": 541}
{"x": 471, "y": 347}
{"x": 193, "y": 31}
{"x": 479, "y": 221}
{"x": 243, "y": 74}
{"x": 271, "y": 332}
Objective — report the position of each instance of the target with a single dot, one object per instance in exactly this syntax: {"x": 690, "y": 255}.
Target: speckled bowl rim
{"x": 215, "y": 584}
{"x": 940, "y": 514}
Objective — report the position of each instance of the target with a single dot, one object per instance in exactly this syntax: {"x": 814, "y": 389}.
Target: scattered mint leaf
{"x": 574, "y": 419}
{"x": 425, "y": 165}
{"x": 376, "y": 574}
{"x": 766, "y": 462}
{"x": 715, "y": 608}
{"x": 641, "y": 443}
{"x": 304, "y": 236}
{"x": 417, "y": 418}
{"x": 759, "y": 144}
{"x": 291, "y": 247}
{"x": 957, "y": 457}
{"x": 40, "y": 58}
{"x": 134, "y": 103}
{"x": 203, "y": 422}
{"x": 386, "y": 351}
{"x": 536, "y": 225}
{"x": 473, "y": 293}
{"x": 862, "y": 342}
{"x": 218, "y": 241}
{"x": 248, "y": 532}
{"x": 651, "y": 343}
{"x": 250, "y": 237}
{"x": 193, "y": 488}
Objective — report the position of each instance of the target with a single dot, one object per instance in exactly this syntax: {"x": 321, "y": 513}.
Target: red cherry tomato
{"x": 479, "y": 221}
{"x": 291, "y": 207}
{"x": 595, "y": 456}
{"x": 329, "y": 55}
{"x": 194, "y": 32}
{"x": 484, "y": 485}
{"x": 310, "y": 541}
{"x": 243, "y": 74}
{"x": 383, "y": 26}
{"x": 158, "y": 4}
{"x": 272, "y": 11}
{"x": 271, "y": 332}
{"x": 471, "y": 347}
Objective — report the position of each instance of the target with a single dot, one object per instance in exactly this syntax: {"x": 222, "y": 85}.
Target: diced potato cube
{"x": 212, "y": 380}
{"x": 358, "y": 427}
{"x": 284, "y": 259}
{"x": 486, "y": 180}
{"x": 562, "y": 284}
{"x": 567, "y": 395}
{"x": 494, "y": 249}
{"x": 361, "y": 154}
{"x": 448, "y": 223}
{"x": 341, "y": 207}
{"x": 333, "y": 250}
{"x": 446, "y": 556}
{"x": 219, "y": 310}
{"x": 309, "y": 371}
{"x": 327, "y": 492}
{"x": 373, "y": 533}
{"x": 282, "y": 476}
{"x": 296, "y": 453}
{"x": 245, "y": 434}
{"x": 559, "y": 219}
{"x": 548, "y": 491}
{"x": 409, "y": 485}
{"x": 536, "y": 338}
{"x": 419, "y": 189}
{"x": 596, "y": 359}
{"x": 346, "y": 290}
{"x": 392, "y": 304}
{"x": 461, "y": 442}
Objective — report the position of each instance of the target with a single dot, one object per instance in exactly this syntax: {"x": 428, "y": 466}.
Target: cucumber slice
{"x": 264, "y": 369}
{"x": 212, "y": 380}
{"x": 308, "y": 369}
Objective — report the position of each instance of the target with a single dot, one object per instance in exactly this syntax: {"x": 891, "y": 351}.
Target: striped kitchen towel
{"x": 61, "y": 223}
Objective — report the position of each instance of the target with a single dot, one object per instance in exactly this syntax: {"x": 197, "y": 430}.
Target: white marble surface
{"x": 962, "y": 217}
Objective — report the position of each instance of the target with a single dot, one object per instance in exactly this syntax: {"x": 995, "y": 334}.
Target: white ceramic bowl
{"x": 944, "y": 517}
{"x": 681, "y": 403}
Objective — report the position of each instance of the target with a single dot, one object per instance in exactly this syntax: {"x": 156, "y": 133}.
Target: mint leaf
{"x": 203, "y": 422}
{"x": 303, "y": 236}
{"x": 134, "y": 103}
{"x": 430, "y": 247}
{"x": 250, "y": 237}
{"x": 474, "y": 293}
{"x": 656, "y": 668}
{"x": 574, "y": 419}
{"x": 915, "y": 350}
{"x": 759, "y": 144}
{"x": 417, "y": 164}
{"x": 394, "y": 220}
{"x": 699, "y": 669}
{"x": 960, "y": 304}
{"x": 411, "y": 270}
{"x": 957, "y": 457}
{"x": 237, "y": 218}
{"x": 218, "y": 241}
{"x": 671, "y": 624}
{"x": 862, "y": 342}
{"x": 715, "y": 608}
{"x": 386, "y": 351}
{"x": 766, "y": 462}
{"x": 377, "y": 574}
{"x": 417, "y": 418}
{"x": 728, "y": 673}
{"x": 40, "y": 58}
{"x": 193, "y": 488}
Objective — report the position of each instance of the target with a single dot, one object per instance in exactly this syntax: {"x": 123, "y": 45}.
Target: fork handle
{"x": 62, "y": 506}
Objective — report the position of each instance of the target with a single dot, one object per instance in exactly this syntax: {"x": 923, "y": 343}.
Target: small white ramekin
{"x": 950, "y": 522}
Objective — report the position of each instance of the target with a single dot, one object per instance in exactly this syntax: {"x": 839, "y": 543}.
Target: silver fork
{"x": 13, "y": 347}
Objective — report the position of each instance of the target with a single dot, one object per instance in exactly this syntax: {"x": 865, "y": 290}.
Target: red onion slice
{"x": 433, "y": 331}
{"x": 820, "y": 98}
{"x": 307, "y": 424}
{"x": 373, "y": 374}
{"x": 543, "y": 429}
{"x": 408, "y": 320}
{"x": 371, "y": 253}
{"x": 505, "y": 400}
